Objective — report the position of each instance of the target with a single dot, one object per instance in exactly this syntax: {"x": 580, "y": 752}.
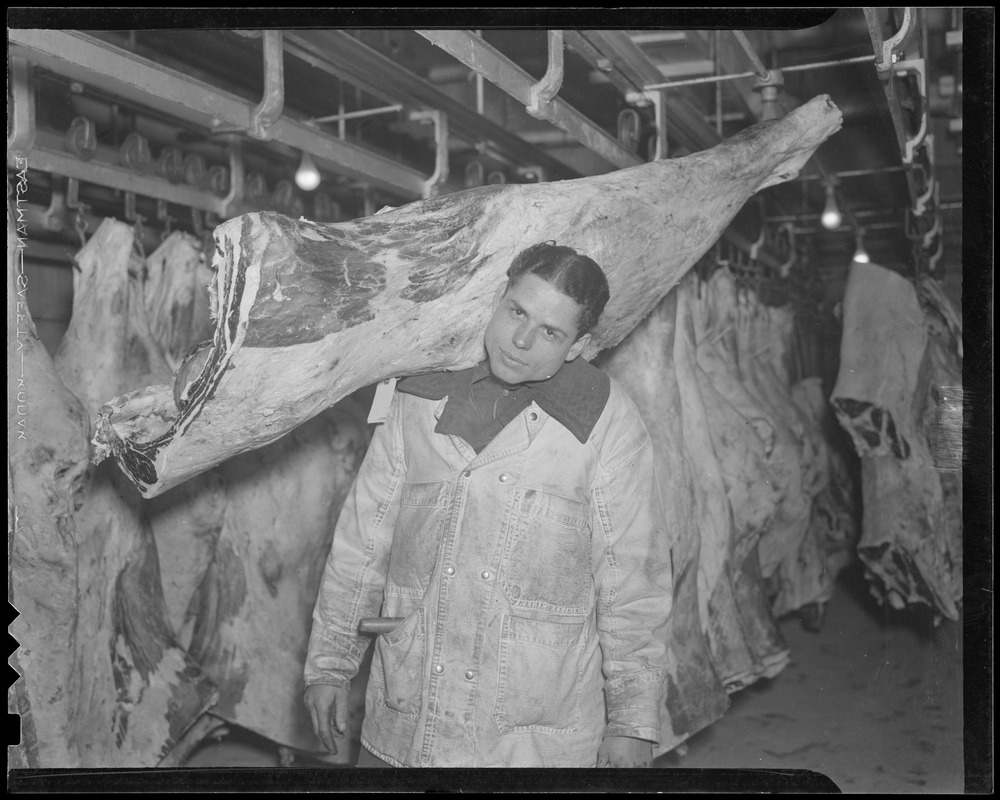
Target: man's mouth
{"x": 511, "y": 358}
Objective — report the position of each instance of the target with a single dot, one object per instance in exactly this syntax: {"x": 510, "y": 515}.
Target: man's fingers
{"x": 321, "y": 712}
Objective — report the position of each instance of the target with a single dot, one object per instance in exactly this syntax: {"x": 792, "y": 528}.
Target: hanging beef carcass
{"x": 265, "y": 518}
{"x": 801, "y": 579}
{"x": 307, "y": 313}
{"x": 243, "y": 545}
{"x": 744, "y": 643}
{"x": 892, "y": 359}
{"x": 250, "y": 617}
{"x": 743, "y": 353}
{"x": 108, "y": 685}
{"x": 174, "y": 292}
{"x": 832, "y": 522}
{"x": 206, "y": 575}
{"x": 743, "y": 436}
{"x": 644, "y": 364}
{"x": 47, "y": 459}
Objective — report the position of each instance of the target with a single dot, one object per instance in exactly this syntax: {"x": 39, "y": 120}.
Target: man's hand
{"x": 624, "y": 751}
{"x": 328, "y": 711}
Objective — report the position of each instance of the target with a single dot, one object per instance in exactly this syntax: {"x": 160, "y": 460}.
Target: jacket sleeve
{"x": 353, "y": 580}
{"x": 633, "y": 576}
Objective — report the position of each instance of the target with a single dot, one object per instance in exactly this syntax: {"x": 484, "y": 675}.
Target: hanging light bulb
{"x": 831, "y": 218}
{"x": 307, "y": 176}
{"x": 860, "y": 254}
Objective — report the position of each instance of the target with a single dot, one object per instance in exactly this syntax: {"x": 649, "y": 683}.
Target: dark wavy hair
{"x": 572, "y": 273}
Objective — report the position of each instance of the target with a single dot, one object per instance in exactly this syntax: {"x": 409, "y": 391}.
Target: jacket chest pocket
{"x": 422, "y": 512}
{"x": 547, "y": 554}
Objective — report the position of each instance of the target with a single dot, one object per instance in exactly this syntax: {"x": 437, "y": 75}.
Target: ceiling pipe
{"x": 543, "y": 92}
{"x": 268, "y": 111}
{"x": 366, "y": 112}
{"x": 432, "y": 186}
{"x": 21, "y": 138}
{"x": 758, "y": 65}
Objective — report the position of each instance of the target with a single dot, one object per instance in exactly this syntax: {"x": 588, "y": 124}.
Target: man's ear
{"x": 498, "y": 296}
{"x": 578, "y": 347}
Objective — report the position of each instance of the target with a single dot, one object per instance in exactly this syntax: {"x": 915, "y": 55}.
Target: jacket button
{"x": 469, "y": 674}
{"x": 449, "y": 570}
{"x": 485, "y": 574}
{"x": 503, "y": 477}
{"x": 439, "y": 668}
{"x": 533, "y": 416}
{"x": 467, "y": 473}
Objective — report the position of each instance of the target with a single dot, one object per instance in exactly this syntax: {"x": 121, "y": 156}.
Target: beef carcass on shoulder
{"x": 307, "y": 313}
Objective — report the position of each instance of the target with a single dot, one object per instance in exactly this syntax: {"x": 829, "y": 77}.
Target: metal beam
{"x": 22, "y": 129}
{"x": 48, "y": 156}
{"x": 339, "y": 54}
{"x": 472, "y": 51}
{"x": 886, "y": 59}
{"x": 144, "y": 82}
{"x": 686, "y": 120}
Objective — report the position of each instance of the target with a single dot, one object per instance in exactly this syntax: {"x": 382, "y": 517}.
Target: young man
{"x": 508, "y": 517}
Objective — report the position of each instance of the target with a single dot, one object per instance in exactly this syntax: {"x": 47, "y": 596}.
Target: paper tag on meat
{"x": 380, "y": 405}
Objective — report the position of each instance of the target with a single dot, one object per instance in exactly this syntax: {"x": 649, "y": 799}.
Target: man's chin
{"x": 506, "y": 373}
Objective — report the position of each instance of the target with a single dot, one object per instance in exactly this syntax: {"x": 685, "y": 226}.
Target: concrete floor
{"x": 873, "y": 701}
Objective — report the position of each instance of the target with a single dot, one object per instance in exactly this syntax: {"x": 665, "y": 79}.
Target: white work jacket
{"x": 533, "y": 581}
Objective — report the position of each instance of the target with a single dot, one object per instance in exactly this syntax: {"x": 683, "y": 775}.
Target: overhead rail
{"x": 476, "y": 54}
{"x": 625, "y": 58}
{"x": 139, "y": 80}
{"x": 888, "y": 66}
{"x": 737, "y": 75}
{"x": 339, "y": 54}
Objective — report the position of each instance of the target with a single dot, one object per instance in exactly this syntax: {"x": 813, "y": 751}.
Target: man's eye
{"x": 517, "y": 312}
{"x": 550, "y": 333}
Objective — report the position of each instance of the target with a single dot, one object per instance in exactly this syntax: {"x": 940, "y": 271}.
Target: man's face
{"x": 533, "y": 331}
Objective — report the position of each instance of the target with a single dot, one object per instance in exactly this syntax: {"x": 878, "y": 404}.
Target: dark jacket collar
{"x": 575, "y": 395}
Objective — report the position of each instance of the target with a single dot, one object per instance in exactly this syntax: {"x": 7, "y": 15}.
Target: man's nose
{"x": 523, "y": 338}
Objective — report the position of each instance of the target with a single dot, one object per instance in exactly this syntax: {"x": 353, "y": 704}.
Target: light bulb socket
{"x": 831, "y": 217}
{"x": 307, "y": 176}
{"x": 860, "y": 254}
